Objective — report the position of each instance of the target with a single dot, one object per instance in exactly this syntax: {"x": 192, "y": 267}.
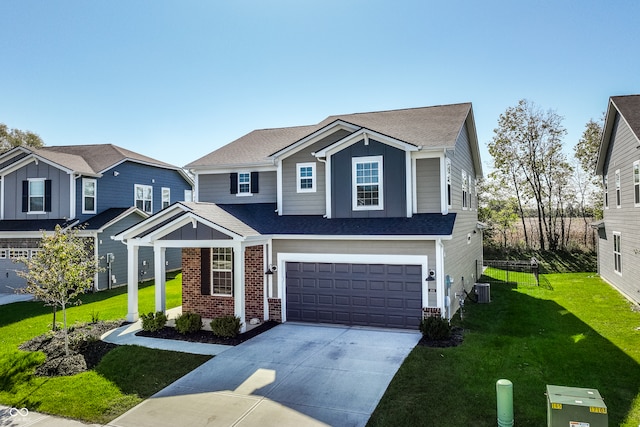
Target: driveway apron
{"x": 292, "y": 375}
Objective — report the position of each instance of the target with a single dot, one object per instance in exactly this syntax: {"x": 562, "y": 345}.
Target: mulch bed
{"x": 207, "y": 336}
{"x": 85, "y": 348}
{"x": 454, "y": 341}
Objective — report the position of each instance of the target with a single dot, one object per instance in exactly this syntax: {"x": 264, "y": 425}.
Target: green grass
{"x": 580, "y": 333}
{"x": 126, "y": 376}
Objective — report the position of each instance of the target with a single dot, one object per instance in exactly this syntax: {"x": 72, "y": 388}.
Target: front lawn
{"x": 580, "y": 333}
{"x": 124, "y": 377}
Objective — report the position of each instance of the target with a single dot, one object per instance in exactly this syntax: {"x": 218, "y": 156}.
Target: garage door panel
{"x": 355, "y": 294}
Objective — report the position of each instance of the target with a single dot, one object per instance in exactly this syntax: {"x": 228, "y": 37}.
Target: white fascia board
{"x": 315, "y": 137}
{"x": 151, "y": 221}
{"x": 30, "y": 159}
{"x": 254, "y": 167}
{"x": 123, "y": 215}
{"x": 357, "y": 237}
{"x": 356, "y": 136}
{"x": 187, "y": 219}
{"x": 13, "y": 153}
{"x": 279, "y": 186}
{"x": 430, "y": 153}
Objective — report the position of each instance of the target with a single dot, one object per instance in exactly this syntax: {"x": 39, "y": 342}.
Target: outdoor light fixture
{"x": 272, "y": 269}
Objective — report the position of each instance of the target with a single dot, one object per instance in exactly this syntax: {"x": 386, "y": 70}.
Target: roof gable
{"x": 628, "y": 107}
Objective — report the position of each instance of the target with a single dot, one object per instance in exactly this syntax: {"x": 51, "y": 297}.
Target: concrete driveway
{"x": 292, "y": 375}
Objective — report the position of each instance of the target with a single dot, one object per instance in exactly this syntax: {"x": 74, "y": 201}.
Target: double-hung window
{"x": 617, "y": 253}
{"x": 636, "y": 183}
{"x": 88, "y": 196}
{"x": 306, "y": 177}
{"x": 244, "y": 183}
{"x": 222, "y": 271}
{"x": 367, "y": 188}
{"x": 36, "y": 195}
{"x": 465, "y": 190}
{"x": 166, "y": 197}
{"x": 618, "y": 195}
{"x": 144, "y": 198}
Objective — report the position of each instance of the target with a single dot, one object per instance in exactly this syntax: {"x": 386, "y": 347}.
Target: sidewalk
{"x": 15, "y": 417}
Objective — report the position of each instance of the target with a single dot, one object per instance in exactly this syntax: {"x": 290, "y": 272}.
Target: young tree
{"x": 10, "y": 138}
{"x": 60, "y": 271}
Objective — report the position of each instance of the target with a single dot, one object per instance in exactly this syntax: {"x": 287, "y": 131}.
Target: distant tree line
{"x": 535, "y": 188}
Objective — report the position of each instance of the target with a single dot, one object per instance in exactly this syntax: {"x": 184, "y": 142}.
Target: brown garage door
{"x": 354, "y": 294}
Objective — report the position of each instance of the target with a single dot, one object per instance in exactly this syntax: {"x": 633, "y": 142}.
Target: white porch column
{"x": 238, "y": 284}
{"x": 160, "y": 277}
{"x": 132, "y": 282}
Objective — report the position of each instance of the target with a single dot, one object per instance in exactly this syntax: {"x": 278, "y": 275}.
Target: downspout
{"x": 327, "y": 186}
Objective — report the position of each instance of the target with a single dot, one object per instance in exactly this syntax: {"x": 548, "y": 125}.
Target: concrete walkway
{"x": 11, "y": 298}
{"x": 291, "y": 375}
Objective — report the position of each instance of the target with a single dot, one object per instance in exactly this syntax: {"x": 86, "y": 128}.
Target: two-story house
{"x": 103, "y": 188}
{"x": 619, "y": 166}
{"x": 361, "y": 219}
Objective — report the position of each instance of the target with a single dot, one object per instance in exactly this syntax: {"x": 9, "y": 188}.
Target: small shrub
{"x": 226, "y": 326}
{"x": 188, "y": 323}
{"x": 95, "y": 316}
{"x": 435, "y": 328}
{"x": 153, "y": 321}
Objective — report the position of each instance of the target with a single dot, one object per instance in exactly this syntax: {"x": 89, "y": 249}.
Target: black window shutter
{"x": 47, "y": 195}
{"x": 254, "y": 182}
{"x": 25, "y": 196}
{"x": 233, "y": 177}
{"x": 205, "y": 271}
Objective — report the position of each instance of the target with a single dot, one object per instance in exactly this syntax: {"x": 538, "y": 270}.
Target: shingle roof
{"x": 264, "y": 218}
{"x": 432, "y": 127}
{"x": 33, "y": 225}
{"x": 629, "y": 107}
{"x": 98, "y": 156}
{"x": 98, "y": 221}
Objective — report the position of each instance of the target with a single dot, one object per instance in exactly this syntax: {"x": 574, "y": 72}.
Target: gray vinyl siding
{"x": 461, "y": 160}
{"x": 626, "y": 219}
{"x": 60, "y": 187}
{"x": 107, "y": 245}
{"x": 394, "y": 177}
{"x": 201, "y": 232}
{"x": 215, "y": 188}
{"x": 428, "y": 185}
{"x": 364, "y": 247}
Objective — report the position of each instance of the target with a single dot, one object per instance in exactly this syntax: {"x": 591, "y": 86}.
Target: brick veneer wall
{"x": 208, "y": 306}
{"x": 254, "y": 282}
{"x": 275, "y": 309}
{"x": 431, "y": 312}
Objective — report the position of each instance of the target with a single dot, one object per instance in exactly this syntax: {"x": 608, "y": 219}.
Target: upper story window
{"x": 617, "y": 253}
{"x": 605, "y": 185}
{"x": 88, "y": 195}
{"x": 244, "y": 183}
{"x": 36, "y": 195}
{"x": 618, "y": 196}
{"x": 166, "y": 197}
{"x": 636, "y": 183}
{"x": 465, "y": 190}
{"x": 306, "y": 177}
{"x": 144, "y": 198}
{"x": 367, "y": 186}
{"x": 448, "y": 172}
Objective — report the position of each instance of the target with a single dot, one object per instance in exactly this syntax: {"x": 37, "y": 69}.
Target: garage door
{"x": 354, "y": 294}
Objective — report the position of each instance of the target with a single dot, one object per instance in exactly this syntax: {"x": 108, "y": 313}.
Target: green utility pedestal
{"x": 575, "y": 407}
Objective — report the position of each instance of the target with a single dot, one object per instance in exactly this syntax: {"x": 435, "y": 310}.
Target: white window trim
{"x": 212, "y": 270}
{"x": 618, "y": 190}
{"x": 618, "y": 253}
{"x": 188, "y": 195}
{"x": 135, "y": 199}
{"x": 162, "y": 191}
{"x": 44, "y": 196}
{"x": 244, "y": 193}
{"x": 448, "y": 190}
{"x": 354, "y": 193}
{"x": 465, "y": 190}
{"x": 299, "y": 167}
{"x": 605, "y": 184}
{"x": 95, "y": 195}
{"x": 636, "y": 182}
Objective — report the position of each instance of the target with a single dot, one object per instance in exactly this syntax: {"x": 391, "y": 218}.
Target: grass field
{"x": 578, "y": 333}
{"x": 126, "y": 376}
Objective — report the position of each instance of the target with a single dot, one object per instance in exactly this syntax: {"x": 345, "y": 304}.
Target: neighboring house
{"x": 619, "y": 166}
{"x": 104, "y": 188}
{"x": 360, "y": 219}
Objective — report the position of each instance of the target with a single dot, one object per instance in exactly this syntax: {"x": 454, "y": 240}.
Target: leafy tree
{"x": 60, "y": 271}
{"x": 10, "y": 138}
{"x": 586, "y": 150}
{"x": 528, "y": 158}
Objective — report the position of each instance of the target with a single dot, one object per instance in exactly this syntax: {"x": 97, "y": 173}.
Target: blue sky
{"x": 177, "y": 79}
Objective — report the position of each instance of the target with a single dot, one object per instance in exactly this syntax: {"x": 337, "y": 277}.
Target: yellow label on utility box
{"x": 556, "y": 406}
{"x": 597, "y": 410}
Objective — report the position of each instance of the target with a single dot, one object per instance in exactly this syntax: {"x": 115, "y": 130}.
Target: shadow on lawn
{"x": 540, "y": 342}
